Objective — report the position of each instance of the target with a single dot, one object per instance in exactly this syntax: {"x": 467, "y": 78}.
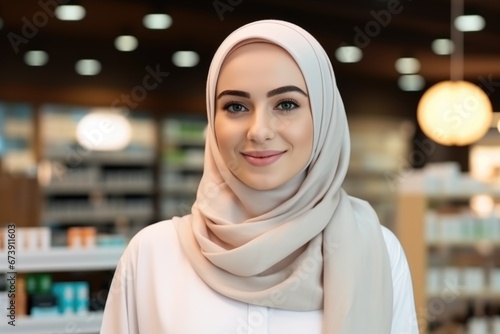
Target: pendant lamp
{"x": 455, "y": 112}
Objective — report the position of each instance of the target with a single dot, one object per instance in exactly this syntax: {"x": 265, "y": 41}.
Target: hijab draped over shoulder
{"x": 306, "y": 245}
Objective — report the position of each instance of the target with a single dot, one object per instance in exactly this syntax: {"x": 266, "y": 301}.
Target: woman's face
{"x": 263, "y": 121}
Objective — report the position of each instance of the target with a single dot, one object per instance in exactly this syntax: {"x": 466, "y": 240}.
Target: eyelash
{"x": 229, "y": 104}
{"x": 292, "y": 101}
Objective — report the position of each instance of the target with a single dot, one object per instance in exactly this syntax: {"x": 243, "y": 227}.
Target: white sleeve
{"x": 404, "y": 318}
{"x": 120, "y": 312}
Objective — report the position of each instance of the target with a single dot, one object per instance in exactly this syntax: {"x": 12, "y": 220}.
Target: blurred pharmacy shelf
{"x": 449, "y": 226}
{"x": 182, "y": 157}
{"x": 136, "y": 187}
{"x": 113, "y": 190}
{"x": 71, "y": 155}
{"x": 63, "y": 259}
{"x": 96, "y": 216}
{"x": 83, "y": 324}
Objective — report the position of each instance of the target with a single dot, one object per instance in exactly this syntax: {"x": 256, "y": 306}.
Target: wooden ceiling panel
{"x": 198, "y": 26}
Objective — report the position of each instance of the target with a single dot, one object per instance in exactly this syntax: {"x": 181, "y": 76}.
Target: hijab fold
{"x": 306, "y": 245}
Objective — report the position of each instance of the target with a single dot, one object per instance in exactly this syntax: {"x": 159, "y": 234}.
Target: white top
{"x": 155, "y": 290}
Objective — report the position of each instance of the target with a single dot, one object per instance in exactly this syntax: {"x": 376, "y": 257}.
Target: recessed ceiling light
{"x": 411, "y": 82}
{"x": 407, "y": 65}
{"x": 70, "y": 12}
{"x": 469, "y": 23}
{"x": 443, "y": 46}
{"x": 88, "y": 67}
{"x": 157, "y": 21}
{"x": 348, "y": 54}
{"x": 36, "y": 58}
{"x": 126, "y": 43}
{"x": 185, "y": 58}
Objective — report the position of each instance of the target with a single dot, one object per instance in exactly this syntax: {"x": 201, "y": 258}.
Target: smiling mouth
{"x": 262, "y": 154}
{"x": 262, "y": 158}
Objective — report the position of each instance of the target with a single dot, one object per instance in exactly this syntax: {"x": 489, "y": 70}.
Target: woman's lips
{"x": 262, "y": 158}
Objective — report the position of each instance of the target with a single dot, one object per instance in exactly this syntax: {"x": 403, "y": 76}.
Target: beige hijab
{"x": 306, "y": 245}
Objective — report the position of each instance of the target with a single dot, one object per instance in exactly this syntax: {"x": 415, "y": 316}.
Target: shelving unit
{"x": 18, "y": 186}
{"x": 452, "y": 251}
{"x": 136, "y": 187}
{"x": 183, "y": 144}
{"x": 101, "y": 188}
{"x": 61, "y": 259}
{"x": 65, "y": 259}
{"x": 88, "y": 324}
{"x": 16, "y": 137}
{"x": 378, "y": 149}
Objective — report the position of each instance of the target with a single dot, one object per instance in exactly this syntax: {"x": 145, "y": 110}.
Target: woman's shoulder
{"x": 390, "y": 239}
{"x": 396, "y": 252}
{"x": 393, "y": 245}
{"x": 158, "y": 230}
{"x": 158, "y": 238}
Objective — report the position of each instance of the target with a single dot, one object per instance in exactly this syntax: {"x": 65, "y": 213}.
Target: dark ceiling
{"x": 368, "y": 86}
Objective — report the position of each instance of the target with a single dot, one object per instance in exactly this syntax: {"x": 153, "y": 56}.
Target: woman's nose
{"x": 261, "y": 126}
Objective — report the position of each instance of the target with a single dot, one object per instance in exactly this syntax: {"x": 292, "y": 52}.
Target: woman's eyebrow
{"x": 273, "y": 92}
{"x": 234, "y": 92}
{"x": 285, "y": 89}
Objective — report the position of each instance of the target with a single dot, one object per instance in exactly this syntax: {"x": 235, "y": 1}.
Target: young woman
{"x": 273, "y": 244}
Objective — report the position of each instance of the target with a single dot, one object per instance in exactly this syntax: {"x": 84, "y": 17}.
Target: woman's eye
{"x": 287, "y": 105}
{"x": 234, "y": 107}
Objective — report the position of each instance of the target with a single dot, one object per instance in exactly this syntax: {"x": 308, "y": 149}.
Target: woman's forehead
{"x": 260, "y": 63}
